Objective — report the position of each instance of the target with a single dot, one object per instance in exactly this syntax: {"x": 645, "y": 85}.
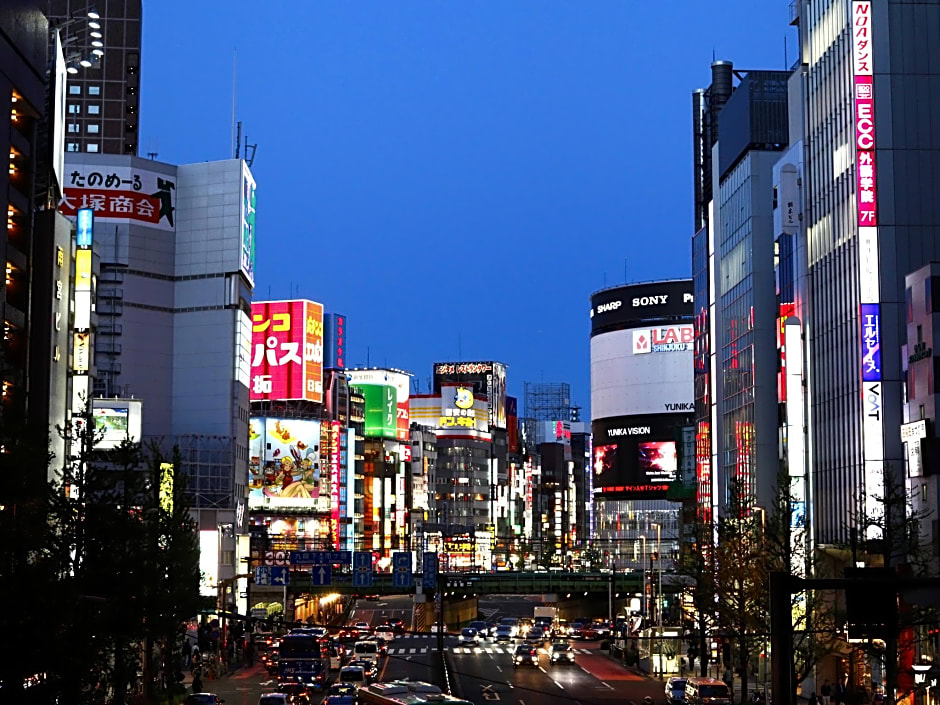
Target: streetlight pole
{"x": 643, "y": 568}
{"x": 659, "y": 596}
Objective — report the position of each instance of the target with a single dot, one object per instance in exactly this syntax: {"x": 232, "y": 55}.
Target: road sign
{"x": 362, "y": 569}
{"x": 322, "y": 575}
{"x": 429, "y": 569}
{"x": 401, "y": 570}
{"x": 320, "y": 557}
{"x": 263, "y": 575}
{"x": 280, "y": 575}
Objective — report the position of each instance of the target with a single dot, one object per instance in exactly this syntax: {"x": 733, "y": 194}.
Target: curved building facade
{"x": 642, "y": 408}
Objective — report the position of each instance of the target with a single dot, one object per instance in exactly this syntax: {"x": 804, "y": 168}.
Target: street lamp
{"x": 659, "y": 595}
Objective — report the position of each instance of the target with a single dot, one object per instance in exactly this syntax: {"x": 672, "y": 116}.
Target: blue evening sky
{"x": 455, "y": 175}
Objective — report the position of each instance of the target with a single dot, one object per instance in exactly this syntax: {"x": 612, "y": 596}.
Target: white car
{"x": 385, "y": 633}
{"x": 469, "y": 635}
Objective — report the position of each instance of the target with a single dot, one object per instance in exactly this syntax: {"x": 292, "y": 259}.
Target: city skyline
{"x": 529, "y": 157}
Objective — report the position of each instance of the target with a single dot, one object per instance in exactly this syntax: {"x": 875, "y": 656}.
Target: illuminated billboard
{"x": 287, "y": 350}
{"x": 248, "y": 205}
{"x": 455, "y": 408}
{"x": 483, "y": 378}
{"x": 116, "y": 420}
{"x": 120, "y": 193}
{"x": 635, "y": 457}
{"x": 284, "y": 462}
{"x": 387, "y": 411}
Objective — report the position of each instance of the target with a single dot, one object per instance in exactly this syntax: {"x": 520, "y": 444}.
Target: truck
{"x": 546, "y": 618}
{"x": 546, "y": 611}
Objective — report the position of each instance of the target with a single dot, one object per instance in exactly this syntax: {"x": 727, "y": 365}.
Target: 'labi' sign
{"x": 921, "y": 352}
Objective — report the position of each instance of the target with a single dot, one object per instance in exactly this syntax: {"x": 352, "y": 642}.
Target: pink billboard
{"x": 287, "y": 350}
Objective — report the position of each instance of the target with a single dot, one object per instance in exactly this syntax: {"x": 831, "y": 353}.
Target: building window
{"x": 73, "y": 127}
{"x": 74, "y": 109}
{"x": 91, "y": 148}
{"x": 94, "y": 109}
{"x": 94, "y": 90}
{"x": 71, "y": 147}
{"x": 75, "y": 90}
{"x": 93, "y": 129}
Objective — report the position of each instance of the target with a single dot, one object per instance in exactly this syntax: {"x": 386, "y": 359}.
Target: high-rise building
{"x": 641, "y": 408}
{"x": 868, "y": 69}
{"x": 733, "y": 261}
{"x": 103, "y": 100}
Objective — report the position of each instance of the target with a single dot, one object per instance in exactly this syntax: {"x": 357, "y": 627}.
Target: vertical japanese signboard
{"x": 249, "y": 202}
{"x": 335, "y": 433}
{"x": 287, "y": 350}
{"x": 866, "y": 196}
{"x": 335, "y": 341}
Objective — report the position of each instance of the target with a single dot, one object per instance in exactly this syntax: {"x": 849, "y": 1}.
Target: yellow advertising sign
{"x": 166, "y": 487}
{"x": 83, "y": 270}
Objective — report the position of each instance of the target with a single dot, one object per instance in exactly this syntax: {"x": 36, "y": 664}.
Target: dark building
{"x": 103, "y": 101}
{"x": 23, "y": 45}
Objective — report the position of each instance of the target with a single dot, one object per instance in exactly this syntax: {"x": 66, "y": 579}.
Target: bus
{"x": 300, "y": 660}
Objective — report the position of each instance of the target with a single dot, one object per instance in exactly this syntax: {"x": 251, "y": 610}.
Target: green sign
{"x": 381, "y": 409}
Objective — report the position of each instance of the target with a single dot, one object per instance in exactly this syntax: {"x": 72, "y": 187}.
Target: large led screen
{"x": 636, "y": 457}
{"x": 286, "y": 350}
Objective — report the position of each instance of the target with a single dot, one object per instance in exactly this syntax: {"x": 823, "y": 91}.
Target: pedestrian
{"x": 726, "y": 677}
{"x": 838, "y": 695}
{"x": 187, "y": 651}
{"x": 197, "y": 682}
{"x": 825, "y": 692}
{"x": 813, "y": 700}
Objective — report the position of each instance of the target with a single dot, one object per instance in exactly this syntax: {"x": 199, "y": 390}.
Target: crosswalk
{"x": 498, "y": 650}
{"x": 403, "y": 652}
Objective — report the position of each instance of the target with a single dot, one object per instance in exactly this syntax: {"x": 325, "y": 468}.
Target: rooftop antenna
{"x": 785, "y": 64}
{"x": 254, "y": 148}
{"x": 234, "y": 74}
{"x": 238, "y": 138}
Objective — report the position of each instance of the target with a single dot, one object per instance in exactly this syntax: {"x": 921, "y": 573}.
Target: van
{"x": 366, "y": 650}
{"x": 699, "y": 691}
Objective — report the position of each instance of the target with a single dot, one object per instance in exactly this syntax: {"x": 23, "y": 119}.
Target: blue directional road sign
{"x": 362, "y": 569}
{"x": 263, "y": 575}
{"x": 429, "y": 570}
{"x": 280, "y": 575}
{"x": 401, "y": 570}
{"x": 322, "y": 575}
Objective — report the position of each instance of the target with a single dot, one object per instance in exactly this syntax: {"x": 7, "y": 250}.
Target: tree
{"x": 697, "y": 565}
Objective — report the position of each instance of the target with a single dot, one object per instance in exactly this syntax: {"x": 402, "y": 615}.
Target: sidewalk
{"x": 240, "y": 670}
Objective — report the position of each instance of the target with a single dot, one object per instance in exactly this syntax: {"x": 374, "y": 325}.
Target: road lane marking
{"x": 488, "y": 650}
{"x": 558, "y": 684}
{"x": 499, "y": 669}
{"x": 607, "y": 685}
{"x": 543, "y": 670}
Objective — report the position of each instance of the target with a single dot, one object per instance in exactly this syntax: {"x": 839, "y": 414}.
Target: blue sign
{"x": 280, "y": 575}
{"x": 401, "y": 570}
{"x": 263, "y": 575}
{"x": 320, "y": 557}
{"x": 871, "y": 342}
{"x": 85, "y": 226}
{"x": 429, "y": 570}
{"x": 322, "y": 575}
{"x": 362, "y": 569}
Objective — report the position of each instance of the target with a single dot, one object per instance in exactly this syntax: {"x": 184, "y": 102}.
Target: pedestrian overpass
{"x": 498, "y": 583}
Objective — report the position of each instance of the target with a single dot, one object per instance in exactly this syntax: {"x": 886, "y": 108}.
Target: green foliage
{"x": 98, "y": 573}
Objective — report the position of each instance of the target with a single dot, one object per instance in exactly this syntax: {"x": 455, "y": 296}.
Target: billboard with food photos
{"x": 287, "y": 351}
{"x": 284, "y": 462}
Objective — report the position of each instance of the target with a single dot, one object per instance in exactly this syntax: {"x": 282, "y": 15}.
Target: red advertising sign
{"x": 287, "y": 350}
{"x": 334, "y": 481}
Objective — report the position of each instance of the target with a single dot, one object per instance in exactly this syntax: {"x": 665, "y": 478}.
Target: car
{"x": 560, "y": 628}
{"x": 603, "y": 628}
{"x": 203, "y": 699}
{"x": 386, "y": 633}
{"x": 535, "y": 636}
{"x": 504, "y": 633}
{"x": 337, "y": 656}
{"x": 342, "y": 689}
{"x": 397, "y": 625}
{"x": 362, "y": 626}
{"x": 274, "y": 699}
{"x": 368, "y": 649}
{"x": 510, "y": 622}
{"x": 483, "y": 630}
{"x": 354, "y": 676}
{"x": 371, "y": 668}
{"x": 574, "y": 631}
{"x": 675, "y": 690}
{"x": 469, "y": 635}
{"x": 560, "y": 652}
{"x": 348, "y": 634}
{"x": 589, "y": 632}
{"x": 525, "y": 655}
